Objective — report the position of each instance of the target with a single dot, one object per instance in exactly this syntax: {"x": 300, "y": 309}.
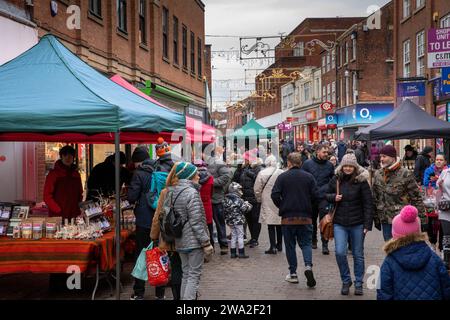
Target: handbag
{"x": 326, "y": 223}
{"x": 158, "y": 269}
{"x": 444, "y": 205}
{"x": 265, "y": 184}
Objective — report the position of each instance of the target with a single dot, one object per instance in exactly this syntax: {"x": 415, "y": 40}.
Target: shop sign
{"x": 411, "y": 89}
{"x": 285, "y": 126}
{"x": 311, "y": 115}
{"x": 327, "y": 106}
{"x": 445, "y": 81}
{"x": 438, "y": 48}
{"x": 322, "y": 123}
{"x": 331, "y": 119}
{"x": 363, "y": 114}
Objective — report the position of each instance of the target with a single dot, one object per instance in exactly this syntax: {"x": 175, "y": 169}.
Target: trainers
{"x": 346, "y": 289}
{"x": 136, "y": 297}
{"x": 310, "y": 281}
{"x": 292, "y": 278}
{"x": 359, "y": 291}
{"x": 254, "y": 244}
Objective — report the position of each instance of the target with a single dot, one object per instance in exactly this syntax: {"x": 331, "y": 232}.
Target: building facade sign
{"x": 438, "y": 48}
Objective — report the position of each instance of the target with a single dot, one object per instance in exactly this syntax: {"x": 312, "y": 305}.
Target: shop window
{"x": 420, "y": 53}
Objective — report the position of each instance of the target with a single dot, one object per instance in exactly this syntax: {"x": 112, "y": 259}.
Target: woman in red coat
{"x": 206, "y": 191}
{"x": 63, "y": 190}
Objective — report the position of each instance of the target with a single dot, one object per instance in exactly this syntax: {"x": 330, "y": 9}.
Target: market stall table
{"x": 55, "y": 256}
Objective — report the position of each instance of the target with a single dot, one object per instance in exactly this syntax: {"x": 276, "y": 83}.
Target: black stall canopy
{"x": 408, "y": 121}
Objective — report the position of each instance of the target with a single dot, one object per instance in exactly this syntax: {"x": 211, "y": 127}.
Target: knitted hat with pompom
{"x": 405, "y": 223}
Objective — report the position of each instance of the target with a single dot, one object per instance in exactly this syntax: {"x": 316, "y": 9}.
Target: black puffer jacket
{"x": 356, "y": 206}
{"x": 139, "y": 186}
{"x": 322, "y": 171}
{"x": 422, "y": 163}
{"x": 246, "y": 177}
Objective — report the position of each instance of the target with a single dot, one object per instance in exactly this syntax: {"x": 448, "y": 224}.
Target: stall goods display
{"x": 18, "y": 214}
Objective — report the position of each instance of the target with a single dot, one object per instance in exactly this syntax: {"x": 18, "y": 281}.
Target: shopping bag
{"x": 140, "y": 268}
{"x": 158, "y": 269}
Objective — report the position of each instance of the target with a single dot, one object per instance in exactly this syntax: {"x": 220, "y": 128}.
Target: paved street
{"x": 260, "y": 277}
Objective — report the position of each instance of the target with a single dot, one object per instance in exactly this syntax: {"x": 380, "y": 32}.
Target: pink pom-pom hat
{"x": 406, "y": 222}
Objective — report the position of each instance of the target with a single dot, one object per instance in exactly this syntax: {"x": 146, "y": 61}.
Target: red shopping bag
{"x": 157, "y": 267}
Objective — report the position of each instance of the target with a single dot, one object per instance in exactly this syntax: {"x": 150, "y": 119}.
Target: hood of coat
{"x": 411, "y": 251}
{"x": 204, "y": 175}
{"x": 147, "y": 166}
{"x": 183, "y": 183}
{"x": 361, "y": 174}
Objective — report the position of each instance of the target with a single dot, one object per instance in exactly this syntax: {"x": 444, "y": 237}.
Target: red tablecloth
{"x": 55, "y": 256}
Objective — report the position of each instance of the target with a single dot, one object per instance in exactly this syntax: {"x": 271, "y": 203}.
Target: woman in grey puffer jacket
{"x": 194, "y": 245}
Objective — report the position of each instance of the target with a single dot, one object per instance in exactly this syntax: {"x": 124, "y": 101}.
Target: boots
{"x": 233, "y": 253}
{"x": 242, "y": 254}
{"x": 272, "y": 250}
{"x": 325, "y": 249}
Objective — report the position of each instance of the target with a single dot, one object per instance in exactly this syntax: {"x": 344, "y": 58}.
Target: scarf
{"x": 392, "y": 168}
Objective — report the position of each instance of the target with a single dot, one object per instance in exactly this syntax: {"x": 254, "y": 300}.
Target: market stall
{"x": 49, "y": 94}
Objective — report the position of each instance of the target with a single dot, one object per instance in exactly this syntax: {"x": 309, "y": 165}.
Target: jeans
{"x": 192, "y": 264}
{"x": 237, "y": 237}
{"x": 219, "y": 220}
{"x": 252, "y": 218}
{"x": 387, "y": 231}
{"x": 356, "y": 234}
{"x": 279, "y": 236}
{"x": 301, "y": 234}
{"x": 211, "y": 233}
{"x": 143, "y": 241}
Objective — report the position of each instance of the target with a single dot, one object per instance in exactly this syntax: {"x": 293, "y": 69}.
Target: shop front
{"x": 306, "y": 127}
{"x": 441, "y": 99}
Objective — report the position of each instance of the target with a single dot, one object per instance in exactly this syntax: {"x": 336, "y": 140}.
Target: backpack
{"x": 170, "y": 221}
{"x": 158, "y": 183}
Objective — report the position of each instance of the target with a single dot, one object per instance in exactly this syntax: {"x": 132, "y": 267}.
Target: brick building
{"x": 293, "y": 53}
{"x": 157, "y": 45}
{"x": 412, "y": 20}
{"x": 357, "y": 76}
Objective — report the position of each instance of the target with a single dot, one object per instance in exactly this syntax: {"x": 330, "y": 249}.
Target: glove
{"x": 208, "y": 250}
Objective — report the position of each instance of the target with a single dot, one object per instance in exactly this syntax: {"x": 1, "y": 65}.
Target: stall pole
{"x": 117, "y": 212}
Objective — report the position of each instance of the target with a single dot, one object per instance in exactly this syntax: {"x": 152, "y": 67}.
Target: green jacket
{"x": 392, "y": 190}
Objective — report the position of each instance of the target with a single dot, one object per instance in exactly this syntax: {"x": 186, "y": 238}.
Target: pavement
{"x": 261, "y": 277}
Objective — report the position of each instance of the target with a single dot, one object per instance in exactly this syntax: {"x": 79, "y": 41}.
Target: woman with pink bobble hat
{"x": 411, "y": 270}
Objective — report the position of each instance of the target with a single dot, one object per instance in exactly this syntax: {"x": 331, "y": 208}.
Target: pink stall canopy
{"x": 196, "y": 130}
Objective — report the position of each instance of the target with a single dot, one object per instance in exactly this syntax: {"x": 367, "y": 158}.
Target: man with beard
{"x": 393, "y": 188}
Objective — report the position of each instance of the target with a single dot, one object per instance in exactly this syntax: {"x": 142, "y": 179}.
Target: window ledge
{"x": 144, "y": 46}
{"x": 419, "y": 9}
{"x": 122, "y": 33}
{"x": 185, "y": 70}
{"x": 165, "y": 59}
{"x": 199, "y": 78}
{"x": 176, "y": 65}
{"x": 193, "y": 75}
{"x": 353, "y": 60}
{"x": 94, "y": 17}
{"x": 405, "y": 19}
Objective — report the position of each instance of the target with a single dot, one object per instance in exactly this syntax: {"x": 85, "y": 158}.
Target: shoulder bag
{"x": 326, "y": 223}
{"x": 444, "y": 205}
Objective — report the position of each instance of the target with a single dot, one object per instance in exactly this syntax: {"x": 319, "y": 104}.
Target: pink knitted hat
{"x": 406, "y": 222}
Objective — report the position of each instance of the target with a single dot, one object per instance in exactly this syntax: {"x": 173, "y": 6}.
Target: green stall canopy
{"x": 50, "y": 90}
{"x": 252, "y": 130}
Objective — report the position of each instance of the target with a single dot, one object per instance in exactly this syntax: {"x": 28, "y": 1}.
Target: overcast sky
{"x": 263, "y": 18}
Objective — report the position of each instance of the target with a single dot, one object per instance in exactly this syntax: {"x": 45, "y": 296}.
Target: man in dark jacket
{"x": 102, "y": 178}
{"x": 285, "y": 150}
{"x": 246, "y": 177}
{"x": 322, "y": 170}
{"x": 137, "y": 194}
{"x": 341, "y": 149}
{"x": 222, "y": 177}
{"x": 423, "y": 161}
{"x": 294, "y": 193}
{"x": 360, "y": 155}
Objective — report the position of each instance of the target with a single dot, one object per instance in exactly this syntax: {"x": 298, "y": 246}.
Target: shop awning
{"x": 196, "y": 130}
{"x": 252, "y": 130}
{"x": 408, "y": 121}
{"x": 48, "y": 90}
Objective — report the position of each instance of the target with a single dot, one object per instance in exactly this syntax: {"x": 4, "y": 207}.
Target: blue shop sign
{"x": 445, "y": 81}
{"x": 411, "y": 89}
{"x": 362, "y": 114}
{"x": 331, "y": 119}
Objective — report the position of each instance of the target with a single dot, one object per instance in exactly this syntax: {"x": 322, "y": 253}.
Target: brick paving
{"x": 259, "y": 277}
